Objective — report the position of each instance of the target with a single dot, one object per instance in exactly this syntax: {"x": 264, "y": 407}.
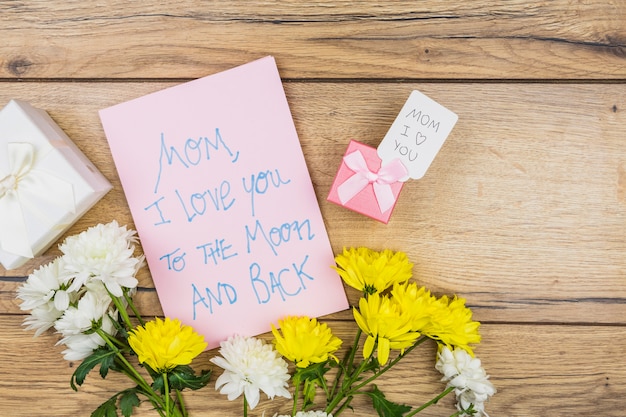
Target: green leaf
{"x": 308, "y": 393}
{"x": 157, "y": 383}
{"x": 312, "y": 376}
{"x": 384, "y": 407}
{"x": 128, "y": 401}
{"x": 107, "y": 362}
{"x": 119, "y": 326}
{"x": 372, "y": 364}
{"x": 183, "y": 376}
{"x": 313, "y": 371}
{"x": 102, "y": 356}
{"x": 106, "y": 409}
{"x": 470, "y": 411}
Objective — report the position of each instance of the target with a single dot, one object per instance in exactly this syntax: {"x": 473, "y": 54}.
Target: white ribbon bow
{"x": 27, "y": 188}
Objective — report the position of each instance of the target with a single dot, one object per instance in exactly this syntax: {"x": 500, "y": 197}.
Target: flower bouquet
{"x": 86, "y": 296}
{"x": 393, "y": 317}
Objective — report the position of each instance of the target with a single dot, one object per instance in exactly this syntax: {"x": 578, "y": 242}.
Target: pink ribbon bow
{"x": 363, "y": 176}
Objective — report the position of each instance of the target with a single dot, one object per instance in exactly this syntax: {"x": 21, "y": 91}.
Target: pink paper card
{"x": 223, "y": 203}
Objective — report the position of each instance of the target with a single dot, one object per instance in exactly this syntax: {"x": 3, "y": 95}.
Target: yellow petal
{"x": 368, "y": 347}
{"x": 383, "y": 350}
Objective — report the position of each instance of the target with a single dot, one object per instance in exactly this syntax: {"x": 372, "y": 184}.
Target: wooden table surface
{"x": 522, "y": 212}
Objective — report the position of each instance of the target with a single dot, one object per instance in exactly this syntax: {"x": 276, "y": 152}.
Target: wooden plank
{"x": 565, "y": 310}
{"x": 521, "y": 212}
{"x": 538, "y": 370}
{"x": 329, "y": 39}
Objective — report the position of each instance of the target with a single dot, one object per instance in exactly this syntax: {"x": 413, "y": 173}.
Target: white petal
{"x": 223, "y": 379}
{"x": 128, "y": 282}
{"x": 252, "y": 395}
{"x": 61, "y": 300}
{"x": 114, "y": 287}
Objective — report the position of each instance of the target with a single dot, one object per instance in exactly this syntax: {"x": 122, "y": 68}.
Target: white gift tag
{"x": 417, "y": 134}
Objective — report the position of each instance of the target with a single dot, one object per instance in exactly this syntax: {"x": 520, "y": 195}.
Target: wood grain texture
{"x": 557, "y": 371}
{"x": 522, "y": 212}
{"x": 513, "y": 39}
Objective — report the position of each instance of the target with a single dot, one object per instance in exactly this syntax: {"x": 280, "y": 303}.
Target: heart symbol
{"x": 419, "y": 138}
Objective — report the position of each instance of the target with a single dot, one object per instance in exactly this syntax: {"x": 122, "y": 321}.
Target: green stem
{"x": 355, "y": 347}
{"x": 158, "y": 408}
{"x": 296, "y": 383}
{"x": 129, "y": 300}
{"x": 119, "y": 343}
{"x": 155, "y": 400}
{"x": 166, "y": 388}
{"x": 431, "y": 402}
{"x": 181, "y": 401}
{"x": 140, "y": 383}
{"x": 245, "y": 406}
{"x": 345, "y": 405}
{"x": 324, "y": 386}
{"x": 348, "y": 359}
{"x": 121, "y": 309}
{"x": 130, "y": 369}
{"x": 392, "y": 363}
{"x": 346, "y": 389}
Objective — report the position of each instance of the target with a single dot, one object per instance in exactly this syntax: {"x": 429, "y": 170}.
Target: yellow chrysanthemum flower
{"x": 165, "y": 344}
{"x": 417, "y": 302}
{"x": 451, "y": 324}
{"x": 372, "y": 272}
{"x": 305, "y": 341}
{"x": 385, "y": 325}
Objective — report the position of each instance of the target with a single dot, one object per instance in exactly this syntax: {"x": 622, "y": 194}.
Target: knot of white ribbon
{"x": 381, "y": 180}
{"x": 26, "y": 188}
{"x": 8, "y": 183}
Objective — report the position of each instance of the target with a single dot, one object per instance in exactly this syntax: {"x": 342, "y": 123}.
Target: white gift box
{"x": 46, "y": 183}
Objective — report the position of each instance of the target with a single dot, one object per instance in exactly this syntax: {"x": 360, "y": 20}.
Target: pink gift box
{"x": 362, "y": 185}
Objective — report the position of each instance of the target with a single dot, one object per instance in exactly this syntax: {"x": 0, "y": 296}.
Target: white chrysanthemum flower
{"x": 251, "y": 366}
{"x": 467, "y": 376}
{"x": 81, "y": 345}
{"x": 42, "y": 318}
{"x": 44, "y": 286}
{"x": 308, "y": 414}
{"x": 43, "y": 293}
{"x": 103, "y": 252}
{"x": 92, "y": 309}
